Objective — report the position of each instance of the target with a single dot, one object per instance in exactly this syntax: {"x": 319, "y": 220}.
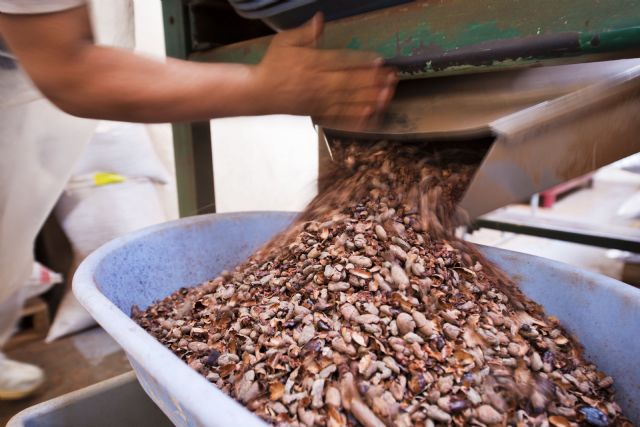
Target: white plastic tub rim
{"x": 153, "y": 263}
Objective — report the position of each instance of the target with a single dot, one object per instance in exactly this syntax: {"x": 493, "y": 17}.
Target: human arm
{"x": 87, "y": 80}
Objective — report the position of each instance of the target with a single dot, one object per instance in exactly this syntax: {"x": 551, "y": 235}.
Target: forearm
{"x": 113, "y": 84}
{"x": 58, "y": 53}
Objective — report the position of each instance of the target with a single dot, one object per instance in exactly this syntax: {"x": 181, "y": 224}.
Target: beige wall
{"x": 264, "y": 163}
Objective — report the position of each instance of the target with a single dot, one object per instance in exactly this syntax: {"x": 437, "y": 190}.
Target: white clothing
{"x": 38, "y": 147}
{"x": 37, "y": 6}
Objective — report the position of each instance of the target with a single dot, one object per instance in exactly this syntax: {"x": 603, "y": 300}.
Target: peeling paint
{"x": 434, "y": 36}
{"x": 354, "y": 44}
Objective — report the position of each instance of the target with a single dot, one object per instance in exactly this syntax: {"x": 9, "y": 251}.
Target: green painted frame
{"x": 440, "y": 37}
{"x": 191, "y": 141}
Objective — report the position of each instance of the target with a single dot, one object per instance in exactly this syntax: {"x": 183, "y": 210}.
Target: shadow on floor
{"x": 70, "y": 363}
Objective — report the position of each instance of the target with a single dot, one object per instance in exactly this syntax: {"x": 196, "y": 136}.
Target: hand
{"x": 339, "y": 86}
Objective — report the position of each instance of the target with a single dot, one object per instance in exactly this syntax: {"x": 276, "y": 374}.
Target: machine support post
{"x": 191, "y": 141}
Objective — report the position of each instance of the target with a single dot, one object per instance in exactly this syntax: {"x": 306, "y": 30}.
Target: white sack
{"x": 631, "y": 208}
{"x": 124, "y": 149}
{"x": 92, "y": 216}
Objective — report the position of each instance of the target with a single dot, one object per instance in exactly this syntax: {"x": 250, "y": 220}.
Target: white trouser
{"x": 9, "y": 313}
{"x": 38, "y": 146}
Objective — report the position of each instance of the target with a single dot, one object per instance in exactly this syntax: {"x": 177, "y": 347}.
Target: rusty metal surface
{"x": 555, "y": 141}
{"x": 549, "y": 125}
{"x": 460, "y": 36}
{"x": 458, "y": 107}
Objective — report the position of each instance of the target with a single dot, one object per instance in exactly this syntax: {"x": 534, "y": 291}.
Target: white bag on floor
{"x": 631, "y": 208}
{"x": 92, "y": 216}
{"x": 123, "y": 149}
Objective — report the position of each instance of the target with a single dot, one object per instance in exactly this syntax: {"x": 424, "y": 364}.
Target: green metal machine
{"x": 425, "y": 38}
{"x": 452, "y": 39}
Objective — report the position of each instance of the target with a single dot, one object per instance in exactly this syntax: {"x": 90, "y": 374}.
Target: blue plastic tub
{"x": 153, "y": 263}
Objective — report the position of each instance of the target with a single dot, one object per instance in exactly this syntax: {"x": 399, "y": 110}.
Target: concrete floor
{"x": 70, "y": 363}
